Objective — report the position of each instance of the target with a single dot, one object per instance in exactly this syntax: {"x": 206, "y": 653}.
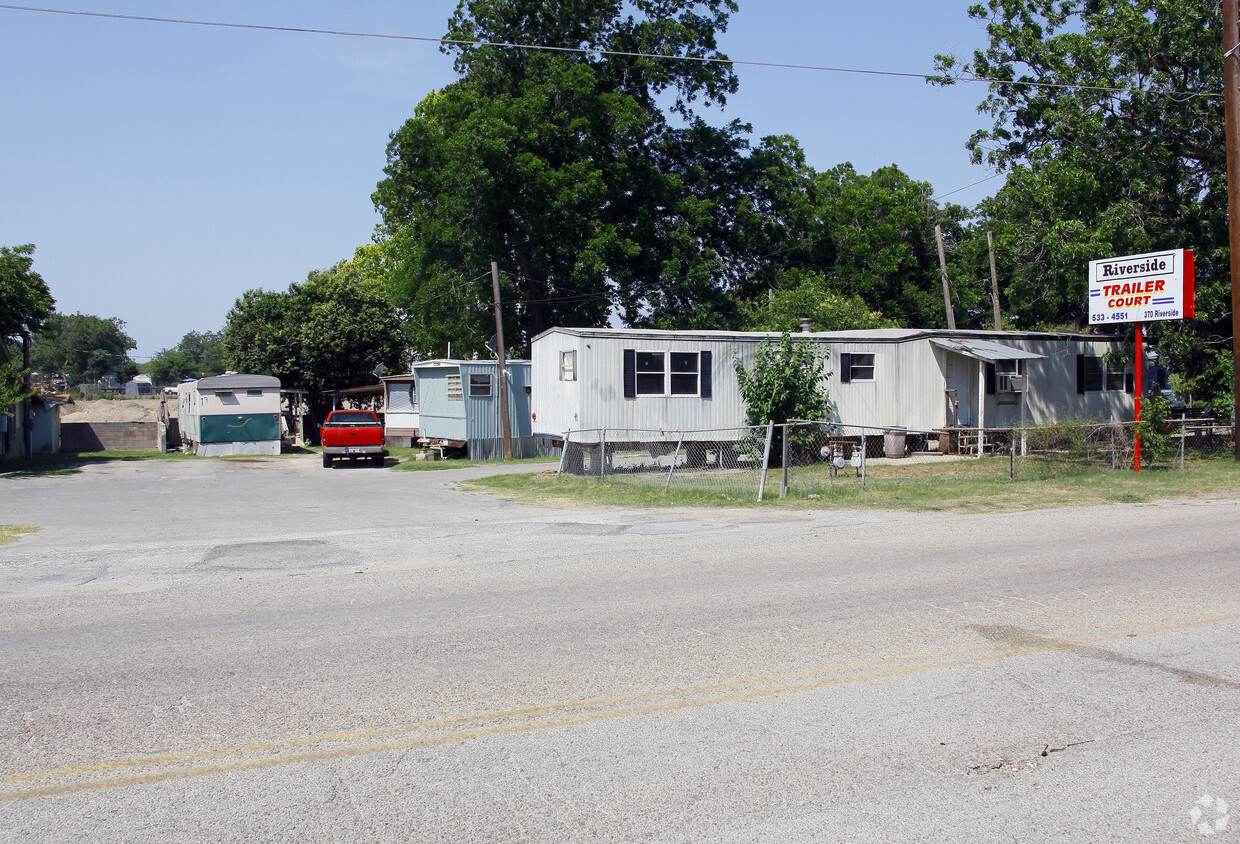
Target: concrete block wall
{"x": 109, "y": 436}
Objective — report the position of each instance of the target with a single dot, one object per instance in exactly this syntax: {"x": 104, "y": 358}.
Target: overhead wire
{"x": 463, "y": 42}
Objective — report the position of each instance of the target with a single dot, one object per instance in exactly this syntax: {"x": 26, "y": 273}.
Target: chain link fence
{"x": 811, "y": 457}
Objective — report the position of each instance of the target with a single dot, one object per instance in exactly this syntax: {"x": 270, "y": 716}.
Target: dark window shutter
{"x": 706, "y": 368}
{"x": 1130, "y": 383}
{"x": 845, "y": 368}
{"x": 1080, "y": 375}
{"x": 630, "y": 373}
{"x": 990, "y": 379}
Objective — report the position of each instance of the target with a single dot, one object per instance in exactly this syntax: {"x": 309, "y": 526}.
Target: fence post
{"x": 1012, "y": 449}
{"x": 675, "y": 458}
{"x": 1183, "y": 436}
{"x": 783, "y": 481}
{"x": 563, "y": 453}
{"x": 863, "y": 459}
{"x": 1112, "y": 446}
{"x": 602, "y": 455}
{"x": 766, "y": 458}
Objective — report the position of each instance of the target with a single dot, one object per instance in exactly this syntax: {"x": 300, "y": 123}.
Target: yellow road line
{"x": 998, "y": 650}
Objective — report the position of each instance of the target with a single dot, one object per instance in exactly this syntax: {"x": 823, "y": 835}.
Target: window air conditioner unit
{"x": 1011, "y": 383}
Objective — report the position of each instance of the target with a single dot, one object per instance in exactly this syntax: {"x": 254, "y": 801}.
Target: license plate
{"x": 356, "y": 451}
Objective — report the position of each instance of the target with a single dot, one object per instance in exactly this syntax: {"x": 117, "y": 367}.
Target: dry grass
{"x": 11, "y": 533}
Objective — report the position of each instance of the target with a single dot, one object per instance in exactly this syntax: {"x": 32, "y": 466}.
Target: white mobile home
{"x": 230, "y": 414}
{"x": 401, "y": 422}
{"x": 588, "y": 379}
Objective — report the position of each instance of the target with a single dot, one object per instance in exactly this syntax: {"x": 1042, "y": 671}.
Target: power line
{"x": 966, "y": 187}
{"x": 458, "y": 42}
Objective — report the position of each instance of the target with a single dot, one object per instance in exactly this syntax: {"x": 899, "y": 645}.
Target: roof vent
{"x": 807, "y": 326}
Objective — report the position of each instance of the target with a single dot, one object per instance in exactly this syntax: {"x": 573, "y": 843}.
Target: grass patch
{"x": 11, "y": 533}
{"x": 961, "y": 486}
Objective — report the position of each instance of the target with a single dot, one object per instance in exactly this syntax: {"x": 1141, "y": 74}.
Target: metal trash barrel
{"x": 894, "y": 441}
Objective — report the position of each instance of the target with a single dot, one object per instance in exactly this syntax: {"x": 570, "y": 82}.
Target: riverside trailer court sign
{"x": 1141, "y": 288}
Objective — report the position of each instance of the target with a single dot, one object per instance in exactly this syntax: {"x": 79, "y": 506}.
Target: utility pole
{"x": 947, "y": 294}
{"x": 499, "y": 352}
{"x": 1231, "y": 111}
{"x": 994, "y": 280}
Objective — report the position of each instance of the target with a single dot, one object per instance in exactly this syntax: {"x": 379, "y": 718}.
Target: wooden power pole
{"x": 947, "y": 293}
{"x": 499, "y": 353}
{"x": 994, "y": 280}
{"x": 1231, "y": 110}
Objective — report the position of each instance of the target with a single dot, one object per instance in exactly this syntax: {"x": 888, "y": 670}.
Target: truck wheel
{"x": 377, "y": 460}
{"x": 327, "y": 460}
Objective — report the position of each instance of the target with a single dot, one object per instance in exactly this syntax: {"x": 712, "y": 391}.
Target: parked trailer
{"x": 230, "y": 414}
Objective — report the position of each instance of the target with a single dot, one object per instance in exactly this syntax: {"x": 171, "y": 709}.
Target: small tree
{"x": 786, "y": 382}
{"x": 13, "y": 387}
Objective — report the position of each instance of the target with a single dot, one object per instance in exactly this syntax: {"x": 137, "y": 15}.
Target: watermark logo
{"x": 1210, "y": 815}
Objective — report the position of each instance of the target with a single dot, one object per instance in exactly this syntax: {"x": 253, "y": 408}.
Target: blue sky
{"x": 162, "y": 170}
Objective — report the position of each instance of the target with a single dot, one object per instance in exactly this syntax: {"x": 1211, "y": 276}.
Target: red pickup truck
{"x": 353, "y": 434}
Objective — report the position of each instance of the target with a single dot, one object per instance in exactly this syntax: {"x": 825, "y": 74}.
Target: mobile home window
{"x": 568, "y": 365}
{"x": 454, "y": 386}
{"x": 1089, "y": 371}
{"x": 253, "y": 392}
{"x": 650, "y": 369}
{"x": 667, "y": 374}
{"x": 856, "y": 367}
{"x": 479, "y": 384}
{"x": 1115, "y": 376}
{"x": 684, "y": 369}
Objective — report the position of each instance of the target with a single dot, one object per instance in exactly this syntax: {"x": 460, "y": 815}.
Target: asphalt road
{"x": 268, "y": 650}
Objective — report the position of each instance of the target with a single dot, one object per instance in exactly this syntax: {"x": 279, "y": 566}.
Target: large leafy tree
{"x": 83, "y": 348}
{"x": 25, "y": 305}
{"x": 198, "y": 355}
{"x": 882, "y": 231}
{"x": 326, "y": 333}
{"x": 565, "y": 169}
{"x": 25, "y": 301}
{"x": 1108, "y": 116}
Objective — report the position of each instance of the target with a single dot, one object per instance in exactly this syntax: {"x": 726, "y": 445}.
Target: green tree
{"x": 326, "y": 333}
{"x": 885, "y": 251}
{"x": 198, "y": 355}
{"x": 1118, "y": 150}
{"x": 13, "y": 387}
{"x": 25, "y": 301}
{"x": 83, "y": 349}
{"x": 803, "y": 294}
{"x": 564, "y": 168}
{"x": 851, "y": 250}
{"x": 786, "y": 382}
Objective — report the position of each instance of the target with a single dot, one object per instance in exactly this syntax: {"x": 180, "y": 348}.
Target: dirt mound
{"x": 112, "y": 410}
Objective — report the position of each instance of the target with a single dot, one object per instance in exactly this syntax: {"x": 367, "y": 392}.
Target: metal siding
{"x": 439, "y": 417}
{"x": 874, "y": 403}
{"x": 482, "y": 417}
{"x": 556, "y": 403}
{"x": 601, "y": 387}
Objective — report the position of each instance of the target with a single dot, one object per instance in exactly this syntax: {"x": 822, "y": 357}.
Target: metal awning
{"x": 986, "y": 350}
